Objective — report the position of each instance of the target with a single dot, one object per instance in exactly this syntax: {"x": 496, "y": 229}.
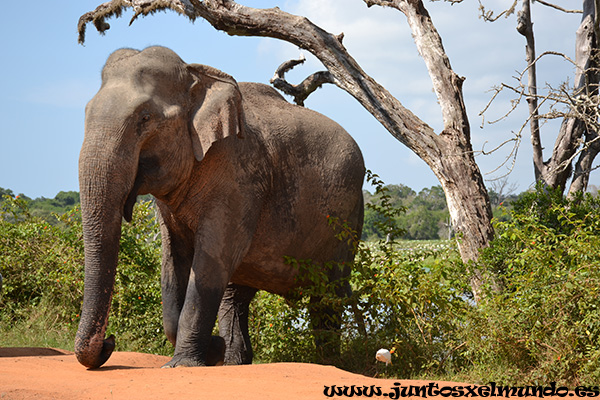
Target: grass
{"x": 39, "y": 330}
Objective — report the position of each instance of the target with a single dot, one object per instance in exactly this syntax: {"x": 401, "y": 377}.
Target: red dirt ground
{"x": 44, "y": 373}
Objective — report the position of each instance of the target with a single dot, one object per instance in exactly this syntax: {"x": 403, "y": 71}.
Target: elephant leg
{"x": 216, "y": 254}
{"x": 325, "y": 321}
{"x": 175, "y": 271}
{"x": 207, "y": 282}
{"x": 215, "y": 354}
{"x": 175, "y": 275}
{"x": 173, "y": 300}
{"x": 233, "y": 323}
{"x": 219, "y": 245}
{"x": 173, "y": 296}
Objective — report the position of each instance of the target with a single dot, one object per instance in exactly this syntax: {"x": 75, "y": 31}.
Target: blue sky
{"x": 47, "y": 78}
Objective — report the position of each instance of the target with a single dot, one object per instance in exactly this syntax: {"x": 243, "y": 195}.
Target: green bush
{"x": 279, "y": 330}
{"x": 545, "y": 325}
{"x": 409, "y": 300}
{"x": 42, "y": 267}
{"x": 41, "y": 264}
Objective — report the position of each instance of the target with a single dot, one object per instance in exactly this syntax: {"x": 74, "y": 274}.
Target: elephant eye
{"x": 146, "y": 116}
{"x": 144, "y": 122}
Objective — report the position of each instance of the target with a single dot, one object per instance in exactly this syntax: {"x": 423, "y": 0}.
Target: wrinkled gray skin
{"x": 242, "y": 178}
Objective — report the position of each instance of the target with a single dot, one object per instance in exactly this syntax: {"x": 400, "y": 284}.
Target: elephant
{"x": 242, "y": 179}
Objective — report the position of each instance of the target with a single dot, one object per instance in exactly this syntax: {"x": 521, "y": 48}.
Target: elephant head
{"x": 152, "y": 120}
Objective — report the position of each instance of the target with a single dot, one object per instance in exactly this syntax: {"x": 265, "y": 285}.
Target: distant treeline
{"x": 46, "y": 208}
{"x": 424, "y": 214}
{"x": 424, "y": 217}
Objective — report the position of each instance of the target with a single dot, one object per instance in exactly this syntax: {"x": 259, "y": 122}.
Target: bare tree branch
{"x": 503, "y": 189}
{"x": 115, "y": 8}
{"x": 525, "y": 28}
{"x": 301, "y": 91}
{"x": 488, "y": 15}
{"x": 559, "y": 8}
{"x": 236, "y": 19}
{"x": 511, "y": 157}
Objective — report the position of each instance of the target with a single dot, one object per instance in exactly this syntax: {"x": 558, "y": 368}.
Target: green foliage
{"x": 40, "y": 264}
{"x": 6, "y": 192}
{"x": 42, "y": 267}
{"x": 385, "y": 213}
{"x": 545, "y": 325}
{"x": 43, "y": 207}
{"x": 280, "y": 330}
{"x": 409, "y": 299}
{"x": 418, "y": 216}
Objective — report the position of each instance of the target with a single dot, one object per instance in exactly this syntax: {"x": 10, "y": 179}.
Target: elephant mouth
{"x": 149, "y": 167}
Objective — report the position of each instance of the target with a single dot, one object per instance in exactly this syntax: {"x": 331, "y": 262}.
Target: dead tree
{"x": 577, "y": 142}
{"x": 448, "y": 153}
{"x": 577, "y": 130}
{"x": 587, "y": 81}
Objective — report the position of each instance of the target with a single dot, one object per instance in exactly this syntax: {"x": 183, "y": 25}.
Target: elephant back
{"x": 299, "y": 130}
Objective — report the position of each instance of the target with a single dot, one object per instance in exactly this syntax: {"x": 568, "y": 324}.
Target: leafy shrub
{"x": 42, "y": 265}
{"x": 410, "y": 300}
{"x": 545, "y": 325}
{"x": 403, "y": 299}
{"x": 280, "y": 330}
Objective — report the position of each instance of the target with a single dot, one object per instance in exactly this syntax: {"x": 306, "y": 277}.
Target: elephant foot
{"x": 181, "y": 361}
{"x": 215, "y": 356}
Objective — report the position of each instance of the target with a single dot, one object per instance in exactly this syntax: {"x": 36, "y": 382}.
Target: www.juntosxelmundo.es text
{"x": 433, "y": 389}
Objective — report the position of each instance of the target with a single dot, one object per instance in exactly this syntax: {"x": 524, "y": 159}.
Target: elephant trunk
{"x": 104, "y": 196}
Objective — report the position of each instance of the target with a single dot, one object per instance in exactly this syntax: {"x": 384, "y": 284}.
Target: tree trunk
{"x": 452, "y": 159}
{"x": 587, "y": 78}
{"x": 581, "y": 175}
{"x": 525, "y": 28}
{"x": 469, "y": 205}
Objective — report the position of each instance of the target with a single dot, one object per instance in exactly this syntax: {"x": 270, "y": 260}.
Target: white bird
{"x": 384, "y": 355}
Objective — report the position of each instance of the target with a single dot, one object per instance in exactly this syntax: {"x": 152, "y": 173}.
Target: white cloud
{"x": 372, "y": 35}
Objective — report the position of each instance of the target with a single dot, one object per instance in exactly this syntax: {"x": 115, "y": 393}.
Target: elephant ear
{"x": 216, "y": 111}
